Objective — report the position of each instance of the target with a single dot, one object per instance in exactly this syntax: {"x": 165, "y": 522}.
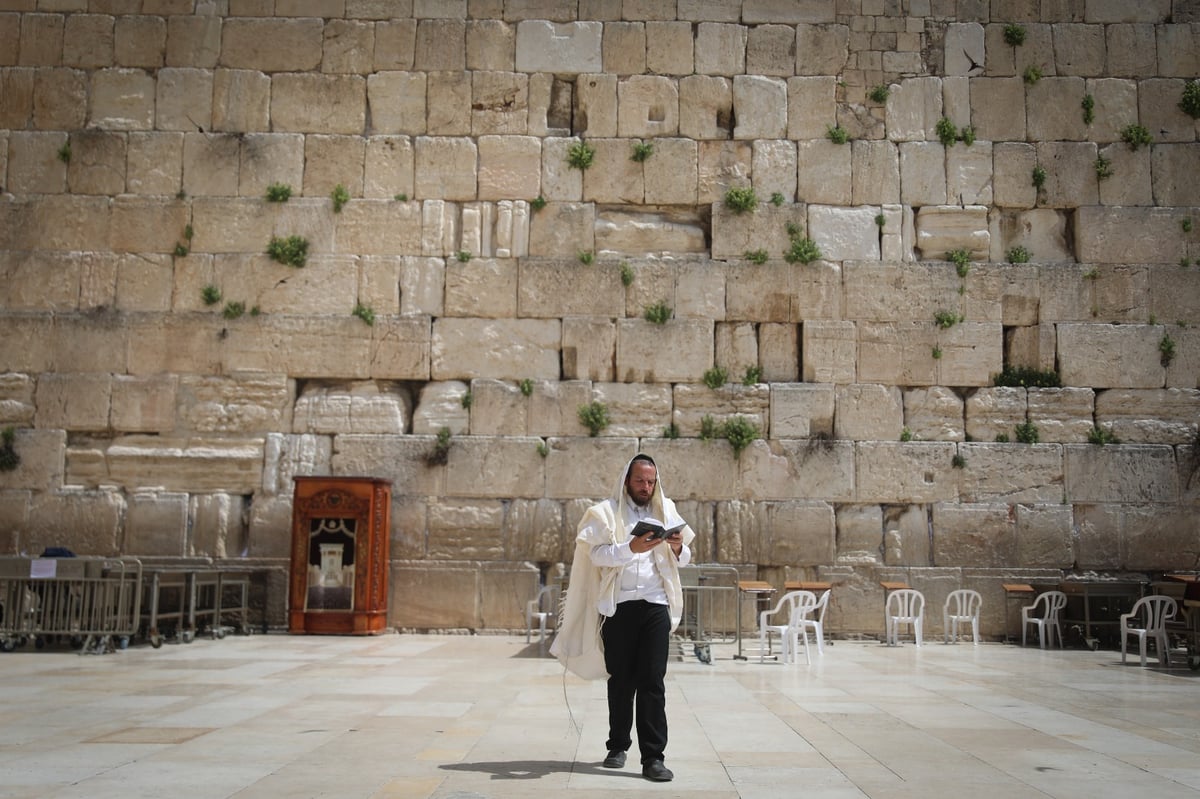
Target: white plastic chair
{"x": 904, "y": 606}
{"x": 962, "y": 605}
{"x": 814, "y": 620}
{"x": 541, "y": 610}
{"x": 796, "y": 604}
{"x": 1052, "y": 603}
{"x": 1152, "y": 612}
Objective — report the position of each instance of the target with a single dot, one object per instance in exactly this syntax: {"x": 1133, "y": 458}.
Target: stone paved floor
{"x": 403, "y": 716}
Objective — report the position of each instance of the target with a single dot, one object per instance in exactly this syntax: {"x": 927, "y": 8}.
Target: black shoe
{"x": 615, "y": 759}
{"x": 656, "y": 771}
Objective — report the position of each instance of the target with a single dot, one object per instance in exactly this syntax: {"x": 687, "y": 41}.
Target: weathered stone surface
{"x": 614, "y": 177}
{"x": 760, "y": 107}
{"x": 514, "y": 348}
{"x": 779, "y": 352}
{"x": 774, "y": 169}
{"x": 680, "y": 351}
{"x": 823, "y": 174}
{"x": 906, "y": 536}
{"x": 1062, "y": 414}
{"x": 801, "y": 410}
{"x": 563, "y": 229}
{"x": 897, "y": 353}
{"x": 598, "y": 290}
{"x": 889, "y": 471}
{"x": 636, "y": 409}
{"x": 766, "y": 227}
{"x": 830, "y": 352}
{"x": 705, "y": 107}
{"x": 1012, "y": 473}
{"x": 93, "y": 517}
{"x": 156, "y": 524}
{"x": 867, "y": 412}
{"x": 199, "y": 465}
{"x": 649, "y": 234}
{"x": 1149, "y": 416}
{"x": 720, "y": 49}
{"x": 941, "y": 229}
{"x": 647, "y": 106}
{"x": 973, "y": 535}
{"x": 1110, "y": 356}
{"x": 363, "y": 407}
{"x": 913, "y": 108}
{"x": 876, "y": 172}
{"x": 812, "y": 469}
{"x": 992, "y": 412}
{"x": 1127, "y": 235}
{"x": 76, "y": 401}
{"x": 588, "y": 348}
{"x": 859, "y": 534}
{"x": 41, "y": 454}
{"x": 933, "y": 414}
{"x": 568, "y": 47}
{"x": 694, "y": 402}
{"x": 1130, "y": 473}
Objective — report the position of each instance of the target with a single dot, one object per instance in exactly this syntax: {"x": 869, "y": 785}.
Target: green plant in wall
{"x": 526, "y": 387}
{"x": 537, "y": 203}
{"x": 1038, "y": 178}
{"x": 233, "y": 310}
{"x": 958, "y": 461}
{"x": 441, "y": 449}
{"x": 9, "y": 459}
{"x": 641, "y": 151}
{"x": 1026, "y": 433}
{"x": 708, "y": 428}
{"x": 906, "y": 435}
{"x": 279, "y": 193}
{"x": 64, "y": 152}
{"x": 1026, "y": 377}
{"x": 1185, "y": 224}
{"x": 961, "y": 260}
{"x": 801, "y": 249}
{"x": 1089, "y": 109}
{"x": 756, "y": 256}
{"x": 543, "y": 448}
{"x": 878, "y": 94}
{"x": 1014, "y": 34}
{"x": 291, "y": 251}
{"x": 715, "y": 377}
{"x": 1166, "y": 350}
{"x": 467, "y": 399}
{"x": 740, "y": 432}
{"x": 210, "y": 294}
{"x": 580, "y": 155}
{"x": 626, "y": 274}
{"x": 753, "y": 376}
{"x": 401, "y": 197}
{"x": 365, "y": 313}
{"x": 1189, "y": 103}
{"x": 777, "y": 199}
{"x": 837, "y": 134}
{"x": 586, "y": 257}
{"x": 741, "y": 199}
{"x": 1017, "y": 255}
{"x": 594, "y": 416}
{"x": 947, "y": 319}
{"x": 463, "y": 256}
{"x": 659, "y": 313}
{"x": 1032, "y": 74}
{"x": 1102, "y": 436}
{"x": 880, "y": 221}
{"x": 255, "y": 311}
{"x": 947, "y": 133}
{"x": 181, "y": 250}
{"x": 937, "y": 353}
{"x": 1136, "y": 136}
{"x": 967, "y": 135}
{"x": 671, "y": 431}
{"x": 1104, "y": 169}
{"x": 340, "y": 197}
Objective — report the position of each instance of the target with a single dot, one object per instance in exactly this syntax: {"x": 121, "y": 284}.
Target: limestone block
{"x": 596, "y": 106}
{"x": 139, "y": 41}
{"x": 1149, "y": 416}
{"x": 1127, "y": 235}
{"x": 824, "y": 171}
{"x": 73, "y": 401}
{"x": 499, "y": 103}
{"x": 1176, "y": 174}
{"x": 563, "y": 229}
{"x": 439, "y": 405}
{"x": 210, "y": 164}
{"x": 395, "y": 42}
{"x": 760, "y": 107}
{"x": 596, "y": 289}
{"x": 397, "y": 101}
{"x": 94, "y": 519}
{"x": 448, "y": 103}
{"x": 269, "y": 158}
{"x": 721, "y": 166}
{"x": 771, "y": 50}
{"x": 859, "y": 534}
{"x": 779, "y": 352}
{"x": 327, "y": 285}
{"x": 144, "y": 404}
{"x": 505, "y": 468}
{"x": 503, "y": 348}
{"x": 60, "y": 98}
{"x": 914, "y": 107}
{"x": 998, "y": 108}
{"x": 1136, "y": 473}
{"x": 737, "y": 348}
{"x": 977, "y": 535}
{"x": 734, "y": 234}
{"x": 348, "y": 47}
{"x": 156, "y": 523}
{"x": 1062, "y": 414}
{"x": 121, "y": 99}
{"x": 923, "y": 173}
{"x": 1012, "y": 183}
{"x": 822, "y": 49}
{"x": 1034, "y": 346}
{"x": 18, "y": 85}
{"x": 1053, "y": 109}
{"x": 87, "y": 41}
{"x": 509, "y": 167}
{"x": 693, "y": 402}
{"x": 466, "y": 528}
{"x": 241, "y": 404}
{"x": 941, "y": 229}
{"x": 491, "y": 45}
{"x": 1116, "y": 107}
{"x": 388, "y": 171}
{"x": 875, "y": 172}
{"x": 969, "y": 174}
{"x": 241, "y": 100}
{"x": 811, "y": 107}
{"x": 897, "y": 353}
{"x": 1045, "y": 536}
{"x": 1078, "y": 49}
{"x": 614, "y": 177}
{"x": 1178, "y": 54}
{"x": 670, "y": 175}
{"x": 868, "y": 412}
{"x": 184, "y": 99}
{"x": 588, "y": 348}
{"x": 16, "y": 398}
{"x": 553, "y": 407}
{"x": 624, "y": 47}
{"x": 1135, "y": 186}
{"x": 830, "y": 351}
{"x": 582, "y": 467}
{"x": 482, "y": 287}
{"x": 1153, "y": 536}
{"x": 971, "y": 353}
{"x": 1070, "y": 174}
{"x": 58, "y": 222}
{"x": 812, "y": 468}
{"x": 720, "y": 49}
{"x": 1110, "y": 356}
{"x": 912, "y": 472}
{"x": 352, "y": 407}
{"x": 42, "y": 460}
{"x": 1131, "y": 50}
{"x": 679, "y": 351}
{"x": 561, "y": 182}
{"x": 796, "y": 533}
{"x": 445, "y": 168}
{"x": 235, "y": 225}
{"x": 272, "y": 44}
{"x": 193, "y": 41}
{"x": 401, "y": 459}
{"x": 440, "y": 45}
{"x": 637, "y": 410}
{"x": 563, "y": 48}
{"x": 537, "y": 531}
{"x": 963, "y": 48}
{"x": 669, "y": 48}
{"x": 995, "y": 411}
{"x": 1041, "y": 231}
{"x": 1013, "y": 473}
{"x": 933, "y": 414}
{"x": 142, "y": 225}
{"x": 896, "y": 292}
{"x": 801, "y": 410}
{"x": 200, "y": 464}
{"x": 706, "y": 107}
{"x": 31, "y": 285}
{"x": 844, "y": 234}
{"x": 313, "y": 103}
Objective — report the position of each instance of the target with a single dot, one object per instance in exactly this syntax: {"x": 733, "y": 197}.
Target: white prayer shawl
{"x": 592, "y": 590}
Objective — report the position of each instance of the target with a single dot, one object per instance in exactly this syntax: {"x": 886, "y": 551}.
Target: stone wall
{"x": 165, "y": 378}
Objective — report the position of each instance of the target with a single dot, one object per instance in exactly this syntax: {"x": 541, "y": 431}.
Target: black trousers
{"x": 636, "y": 643}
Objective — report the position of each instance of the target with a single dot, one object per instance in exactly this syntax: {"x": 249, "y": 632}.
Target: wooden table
{"x": 807, "y": 585}
{"x": 1018, "y": 591}
{"x": 758, "y": 589}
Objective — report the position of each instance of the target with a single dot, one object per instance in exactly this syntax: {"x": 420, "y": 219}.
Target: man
{"x": 623, "y": 601}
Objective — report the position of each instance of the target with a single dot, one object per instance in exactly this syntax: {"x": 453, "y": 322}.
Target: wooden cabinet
{"x": 339, "y": 565}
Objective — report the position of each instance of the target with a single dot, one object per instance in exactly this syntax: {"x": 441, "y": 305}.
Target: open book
{"x": 655, "y": 529}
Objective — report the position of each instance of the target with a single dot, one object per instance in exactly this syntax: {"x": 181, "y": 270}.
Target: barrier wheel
{"x": 1194, "y": 662}
{"x": 156, "y": 640}
{"x": 7, "y": 645}
{"x": 186, "y": 636}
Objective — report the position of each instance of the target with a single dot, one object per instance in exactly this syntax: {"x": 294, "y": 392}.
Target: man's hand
{"x": 676, "y": 542}
{"x": 643, "y": 543}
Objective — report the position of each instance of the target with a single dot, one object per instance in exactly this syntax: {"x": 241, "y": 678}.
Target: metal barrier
{"x": 92, "y": 602}
{"x": 710, "y": 603}
{"x": 179, "y": 602}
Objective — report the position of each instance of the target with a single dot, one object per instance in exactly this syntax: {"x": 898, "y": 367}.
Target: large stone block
{"x": 485, "y": 288}
{"x": 992, "y": 412}
{"x": 563, "y": 229}
{"x": 876, "y": 172}
{"x": 581, "y": 467}
{"x": 721, "y": 166}
{"x": 1128, "y": 473}
{"x": 564, "y": 48}
{"x": 914, "y": 106}
{"x": 897, "y": 353}
{"x": 933, "y": 414}
{"x": 272, "y": 44}
{"x": 978, "y": 536}
{"x": 509, "y": 167}
{"x": 499, "y": 103}
{"x": 1131, "y": 50}
{"x": 760, "y": 107}
{"x": 680, "y": 351}
{"x": 635, "y": 409}
{"x": 156, "y": 524}
{"x": 614, "y": 177}
{"x": 893, "y": 472}
{"x": 1014, "y": 163}
{"x": 1013, "y": 473}
{"x": 669, "y": 48}
{"x": 1062, "y": 414}
{"x": 1149, "y": 416}
{"x": 73, "y": 401}
{"x": 998, "y": 108}
{"x": 588, "y": 348}
{"x": 313, "y": 103}
{"x": 844, "y": 234}
{"x": 596, "y": 289}
{"x": 969, "y": 353}
{"x": 240, "y": 404}
{"x": 859, "y": 534}
{"x": 906, "y": 537}
{"x": 397, "y": 101}
{"x": 830, "y": 352}
{"x": 670, "y": 174}
{"x": 1110, "y": 356}
{"x": 144, "y": 404}
{"x": 42, "y": 460}
{"x": 766, "y": 227}
{"x": 85, "y": 521}
{"x": 941, "y": 229}
{"x": 241, "y": 101}
{"x": 201, "y": 464}
{"x": 121, "y": 99}
{"x": 779, "y": 352}
{"x": 1045, "y": 536}
{"x": 922, "y": 173}
{"x": 1176, "y": 174}
{"x": 648, "y": 106}
{"x": 514, "y": 348}
{"x": 499, "y": 468}
{"x": 801, "y": 410}
{"x": 445, "y": 168}
{"x": 813, "y": 469}
{"x": 823, "y": 172}
{"x": 867, "y": 412}
{"x": 693, "y": 402}
{"x": 822, "y": 49}
{"x": 705, "y": 107}
{"x": 720, "y": 49}
{"x": 359, "y": 407}
{"x": 773, "y": 167}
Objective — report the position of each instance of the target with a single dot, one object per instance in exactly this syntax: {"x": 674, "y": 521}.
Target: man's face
{"x": 640, "y": 482}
